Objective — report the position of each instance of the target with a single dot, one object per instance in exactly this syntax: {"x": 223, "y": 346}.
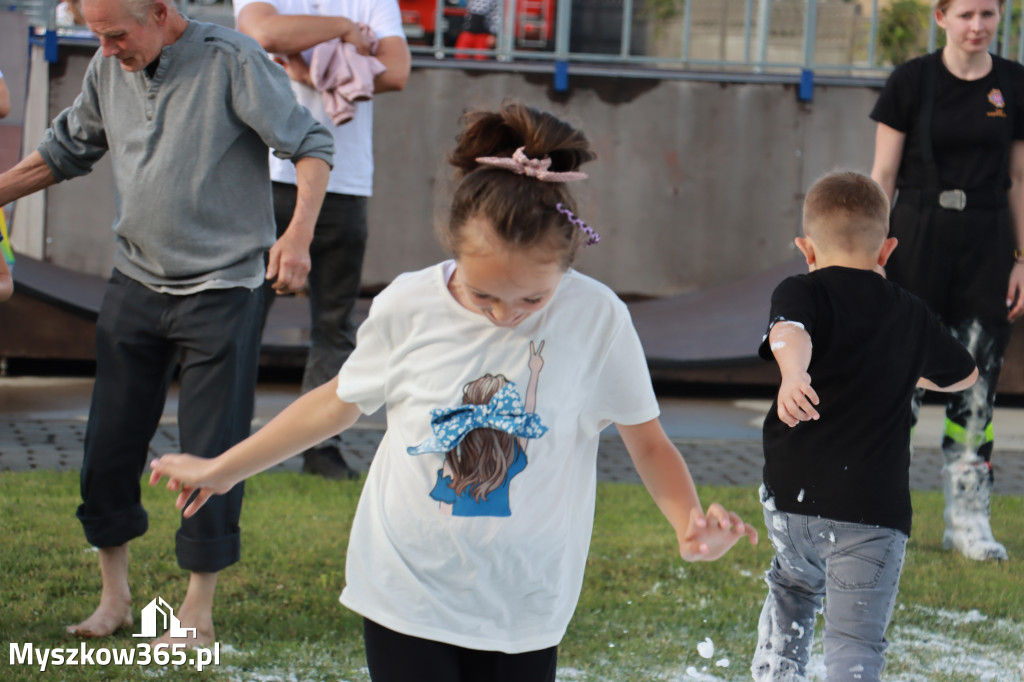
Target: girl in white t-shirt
{"x": 498, "y": 369}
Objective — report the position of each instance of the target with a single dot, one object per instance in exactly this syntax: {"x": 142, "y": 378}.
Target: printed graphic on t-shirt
{"x": 995, "y": 98}
{"x": 483, "y": 442}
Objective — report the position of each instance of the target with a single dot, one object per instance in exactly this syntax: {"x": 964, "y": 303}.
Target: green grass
{"x": 642, "y": 613}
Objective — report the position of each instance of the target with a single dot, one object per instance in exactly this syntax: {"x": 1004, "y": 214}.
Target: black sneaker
{"x": 329, "y": 463}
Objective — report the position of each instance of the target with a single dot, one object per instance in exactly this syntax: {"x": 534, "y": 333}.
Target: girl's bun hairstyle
{"x": 521, "y": 209}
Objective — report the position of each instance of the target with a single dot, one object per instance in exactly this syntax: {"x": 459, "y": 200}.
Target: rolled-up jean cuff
{"x": 207, "y": 556}
{"x": 114, "y": 529}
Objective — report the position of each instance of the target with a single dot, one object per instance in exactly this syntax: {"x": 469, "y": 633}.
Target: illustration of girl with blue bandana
{"x": 484, "y": 441}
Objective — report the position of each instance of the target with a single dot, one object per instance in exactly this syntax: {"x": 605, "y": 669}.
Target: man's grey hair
{"x": 140, "y": 9}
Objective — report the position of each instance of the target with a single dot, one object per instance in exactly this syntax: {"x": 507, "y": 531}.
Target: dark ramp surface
{"x": 710, "y": 328}
{"x": 718, "y": 326}
{"x": 712, "y": 336}
{"x": 54, "y": 310}
{"x": 70, "y": 291}
{"x": 708, "y": 336}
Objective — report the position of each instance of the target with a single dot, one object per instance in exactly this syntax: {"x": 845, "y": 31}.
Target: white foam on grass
{"x": 918, "y": 653}
{"x": 921, "y": 654}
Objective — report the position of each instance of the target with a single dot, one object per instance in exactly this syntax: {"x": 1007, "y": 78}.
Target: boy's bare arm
{"x": 966, "y": 382}
{"x": 791, "y": 345}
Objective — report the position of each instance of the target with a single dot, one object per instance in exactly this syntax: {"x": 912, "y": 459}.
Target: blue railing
{"x": 826, "y": 37}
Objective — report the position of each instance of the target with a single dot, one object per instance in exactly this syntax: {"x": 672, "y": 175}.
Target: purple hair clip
{"x": 593, "y": 236}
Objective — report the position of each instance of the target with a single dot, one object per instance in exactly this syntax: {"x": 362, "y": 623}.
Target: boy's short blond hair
{"x": 846, "y": 211}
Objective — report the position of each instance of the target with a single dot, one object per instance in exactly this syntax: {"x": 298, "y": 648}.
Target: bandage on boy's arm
{"x": 964, "y": 383}
{"x": 667, "y": 478}
{"x": 791, "y": 345}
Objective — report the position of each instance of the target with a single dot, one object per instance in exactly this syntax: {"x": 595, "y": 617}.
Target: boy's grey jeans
{"x": 855, "y": 569}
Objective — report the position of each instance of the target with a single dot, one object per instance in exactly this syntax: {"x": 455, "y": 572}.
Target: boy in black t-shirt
{"x": 836, "y": 490}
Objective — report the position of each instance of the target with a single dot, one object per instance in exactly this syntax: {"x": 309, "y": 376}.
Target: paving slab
{"x": 27, "y": 445}
{"x": 42, "y": 427}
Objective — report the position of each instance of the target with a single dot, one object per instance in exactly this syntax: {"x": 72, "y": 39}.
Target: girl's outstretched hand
{"x": 710, "y": 536}
{"x": 189, "y": 475}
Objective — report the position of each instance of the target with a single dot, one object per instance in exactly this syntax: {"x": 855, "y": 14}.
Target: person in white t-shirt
{"x": 69, "y": 13}
{"x": 289, "y": 29}
{"x": 499, "y": 369}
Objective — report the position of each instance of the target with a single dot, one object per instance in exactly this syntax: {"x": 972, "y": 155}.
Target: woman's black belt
{"x": 954, "y": 199}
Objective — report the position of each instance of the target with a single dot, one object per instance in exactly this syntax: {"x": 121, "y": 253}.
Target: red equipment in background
{"x": 534, "y": 22}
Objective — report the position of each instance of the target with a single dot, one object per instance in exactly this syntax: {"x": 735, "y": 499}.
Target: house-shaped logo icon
{"x": 158, "y": 608}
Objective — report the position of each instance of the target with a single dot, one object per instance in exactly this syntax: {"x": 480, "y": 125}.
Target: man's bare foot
{"x": 109, "y": 617}
{"x": 194, "y": 627}
{"x": 115, "y": 609}
{"x": 198, "y": 633}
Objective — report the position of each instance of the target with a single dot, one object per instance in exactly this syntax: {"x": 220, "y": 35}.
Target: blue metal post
{"x": 748, "y": 22}
{"x": 873, "y": 42}
{"x": 810, "y": 32}
{"x": 563, "y": 20}
{"x": 439, "y": 29}
{"x": 625, "y": 44}
{"x": 805, "y": 93}
{"x": 507, "y": 37}
{"x": 932, "y": 26}
{"x": 687, "y": 24}
{"x": 764, "y": 20}
{"x": 1004, "y": 49}
{"x": 1020, "y": 45}
{"x": 50, "y": 46}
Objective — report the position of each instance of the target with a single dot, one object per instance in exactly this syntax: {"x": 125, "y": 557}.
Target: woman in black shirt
{"x": 950, "y": 147}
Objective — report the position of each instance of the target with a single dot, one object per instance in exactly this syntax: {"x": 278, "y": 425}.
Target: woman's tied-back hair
{"x": 522, "y": 210}
{"x": 943, "y": 5}
{"x": 480, "y": 462}
{"x": 846, "y": 210}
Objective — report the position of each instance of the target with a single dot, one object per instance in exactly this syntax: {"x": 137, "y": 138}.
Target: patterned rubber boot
{"x": 968, "y": 487}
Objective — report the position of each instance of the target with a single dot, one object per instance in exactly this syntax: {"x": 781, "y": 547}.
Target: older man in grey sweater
{"x": 188, "y": 112}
